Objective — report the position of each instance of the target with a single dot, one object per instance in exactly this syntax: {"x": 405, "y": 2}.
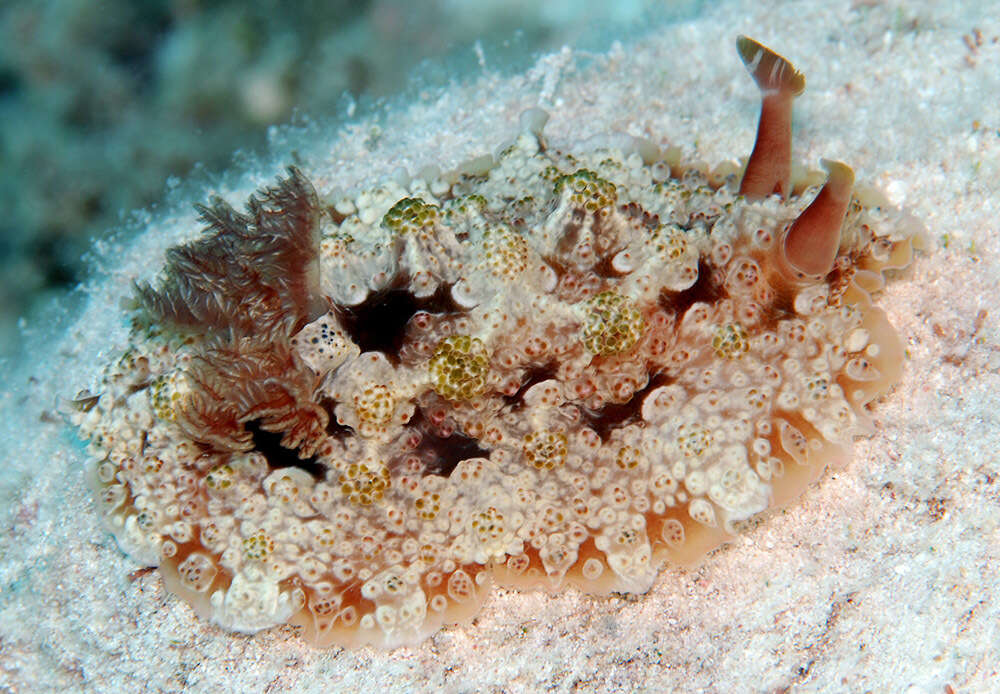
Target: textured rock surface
{"x": 882, "y": 576}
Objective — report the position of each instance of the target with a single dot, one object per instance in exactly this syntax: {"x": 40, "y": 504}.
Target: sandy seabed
{"x": 884, "y": 577}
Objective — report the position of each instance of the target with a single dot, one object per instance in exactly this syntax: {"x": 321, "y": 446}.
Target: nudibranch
{"x": 354, "y": 414}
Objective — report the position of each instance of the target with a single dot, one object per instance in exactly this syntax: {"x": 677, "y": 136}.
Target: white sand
{"x": 884, "y": 577}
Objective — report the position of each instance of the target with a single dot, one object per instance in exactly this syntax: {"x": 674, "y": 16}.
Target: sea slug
{"x": 547, "y": 368}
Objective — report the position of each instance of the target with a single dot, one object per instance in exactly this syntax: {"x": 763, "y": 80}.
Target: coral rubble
{"x": 551, "y": 369}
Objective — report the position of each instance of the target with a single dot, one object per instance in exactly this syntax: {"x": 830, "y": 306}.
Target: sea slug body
{"x": 546, "y": 369}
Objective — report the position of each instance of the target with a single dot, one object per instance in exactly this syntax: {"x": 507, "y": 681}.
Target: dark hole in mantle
{"x": 268, "y": 443}
{"x": 333, "y": 427}
{"x": 535, "y": 374}
{"x": 703, "y": 290}
{"x": 618, "y": 414}
{"x": 378, "y": 324}
{"x": 442, "y": 454}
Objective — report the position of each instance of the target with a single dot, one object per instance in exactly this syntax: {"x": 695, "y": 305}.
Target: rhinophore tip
{"x": 770, "y": 166}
